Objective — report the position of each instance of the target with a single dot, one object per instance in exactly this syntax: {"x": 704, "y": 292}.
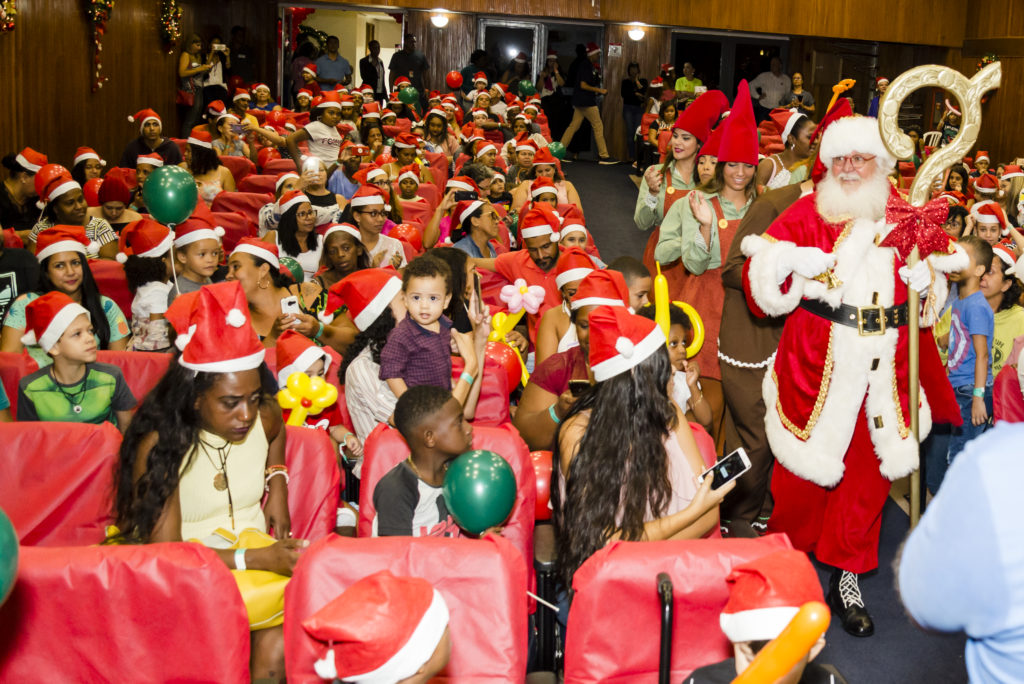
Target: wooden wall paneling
{"x": 563, "y": 9}
{"x": 445, "y": 48}
{"x": 650, "y": 53}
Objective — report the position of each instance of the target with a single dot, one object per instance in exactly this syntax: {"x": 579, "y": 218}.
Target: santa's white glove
{"x": 809, "y": 262}
{"x": 153, "y": 297}
{"x": 919, "y": 277}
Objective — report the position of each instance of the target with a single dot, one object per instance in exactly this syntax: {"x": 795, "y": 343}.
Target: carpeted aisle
{"x": 608, "y": 197}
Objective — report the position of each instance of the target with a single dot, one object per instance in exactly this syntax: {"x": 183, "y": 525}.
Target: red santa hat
{"x": 434, "y": 111}
{"x": 855, "y": 134}
{"x": 310, "y": 69}
{"x": 573, "y": 222}
{"x": 880, "y": 80}
{"x": 296, "y": 353}
{"x": 381, "y": 629}
{"x": 544, "y": 156}
{"x": 402, "y": 81}
{"x": 200, "y": 139}
{"x": 524, "y": 143}
{"x": 701, "y": 116}
{"x": 462, "y": 183}
{"x": 153, "y": 159}
{"x": 371, "y": 110}
{"x": 1005, "y": 254}
{"x": 593, "y": 48}
{"x": 366, "y": 176}
{"x": 601, "y": 288}
{"x": 657, "y": 82}
{"x": 1011, "y": 171}
{"x": 194, "y": 229}
{"x": 267, "y": 251}
{"x": 785, "y": 120}
{"x": 144, "y": 115}
{"x": 346, "y": 101}
{"x": 144, "y": 238}
{"x": 31, "y": 160}
{"x": 501, "y": 87}
{"x": 241, "y": 94}
{"x": 62, "y": 238}
{"x": 282, "y": 177}
{"x": 521, "y": 58}
{"x": 840, "y": 110}
{"x": 366, "y": 293}
{"x": 406, "y": 141}
{"x": 290, "y": 199}
{"x": 512, "y": 102}
{"x": 368, "y": 195}
{"x": 464, "y": 209}
{"x": 986, "y": 184}
{"x": 540, "y": 220}
{"x": 330, "y": 99}
{"x": 479, "y": 77}
{"x": 258, "y": 86}
{"x": 739, "y": 139}
{"x": 620, "y": 341}
{"x": 47, "y": 317}
{"x": 412, "y": 172}
{"x": 765, "y": 594}
{"x": 216, "y": 109}
{"x": 981, "y": 155}
{"x": 346, "y": 228}
{"x": 91, "y": 190}
{"x": 484, "y": 149}
{"x": 990, "y": 213}
{"x": 366, "y": 89}
{"x": 53, "y": 181}
{"x": 531, "y": 107}
{"x": 304, "y": 92}
{"x": 542, "y": 185}
{"x": 84, "y": 154}
{"x": 220, "y": 337}
{"x": 573, "y": 264}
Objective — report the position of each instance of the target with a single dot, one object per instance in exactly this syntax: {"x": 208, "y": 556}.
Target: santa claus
{"x": 837, "y": 392}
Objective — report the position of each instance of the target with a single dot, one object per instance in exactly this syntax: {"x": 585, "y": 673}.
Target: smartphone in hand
{"x": 727, "y": 469}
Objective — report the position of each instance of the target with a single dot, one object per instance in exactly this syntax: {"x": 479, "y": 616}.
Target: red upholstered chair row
{"x": 13, "y": 367}
{"x": 646, "y": 121}
{"x": 595, "y": 650}
{"x": 417, "y": 213}
{"x": 111, "y": 282}
{"x": 248, "y": 204}
{"x": 276, "y": 166}
{"x": 1007, "y": 400}
{"x": 483, "y": 583}
{"x": 240, "y": 167}
{"x": 156, "y": 613}
{"x": 259, "y": 183}
{"x": 236, "y": 226}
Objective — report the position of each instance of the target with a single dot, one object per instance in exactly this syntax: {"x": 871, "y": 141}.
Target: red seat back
{"x": 483, "y": 583}
{"x": 429, "y": 192}
{"x": 663, "y": 138}
{"x": 111, "y": 281}
{"x": 400, "y": 126}
{"x": 259, "y": 183}
{"x": 240, "y": 167}
{"x": 57, "y": 480}
{"x": 141, "y": 370}
{"x": 595, "y": 650}
{"x": 492, "y": 407}
{"x": 13, "y": 367}
{"x": 645, "y": 124}
{"x": 314, "y": 482}
{"x": 907, "y": 169}
{"x": 276, "y": 166}
{"x": 246, "y": 203}
{"x": 438, "y": 164}
{"x": 236, "y": 226}
{"x": 418, "y": 213}
{"x": 182, "y": 144}
{"x": 1007, "y": 400}
{"x": 62, "y": 623}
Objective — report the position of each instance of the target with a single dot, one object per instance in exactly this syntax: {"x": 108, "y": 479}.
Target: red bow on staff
{"x": 920, "y": 226}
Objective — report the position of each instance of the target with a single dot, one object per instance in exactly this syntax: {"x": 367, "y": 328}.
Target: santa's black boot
{"x": 845, "y": 601}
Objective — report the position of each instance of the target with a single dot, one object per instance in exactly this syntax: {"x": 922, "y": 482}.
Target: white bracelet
{"x": 240, "y": 559}
{"x": 276, "y": 472}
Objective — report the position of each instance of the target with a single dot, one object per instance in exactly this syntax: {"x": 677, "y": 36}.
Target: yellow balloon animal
{"x": 662, "y": 318}
{"x": 306, "y": 396}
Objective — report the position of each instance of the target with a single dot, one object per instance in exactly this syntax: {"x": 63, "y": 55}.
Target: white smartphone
{"x": 728, "y": 469}
{"x": 290, "y": 305}
{"x": 700, "y": 90}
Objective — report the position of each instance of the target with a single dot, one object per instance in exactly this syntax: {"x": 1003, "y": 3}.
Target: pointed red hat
{"x": 464, "y": 209}
{"x": 412, "y": 172}
{"x": 220, "y": 337}
{"x": 371, "y": 110}
{"x": 785, "y": 120}
{"x": 144, "y": 238}
{"x": 710, "y": 148}
{"x": 194, "y": 229}
{"x": 700, "y": 117}
{"x": 573, "y": 222}
{"x": 406, "y": 140}
{"x": 766, "y": 593}
{"x": 381, "y": 629}
{"x": 144, "y": 115}
{"x": 620, "y": 341}
{"x": 296, "y": 353}
{"x": 368, "y": 195}
{"x": 292, "y": 198}
{"x": 544, "y": 156}
{"x": 841, "y": 109}
{"x": 542, "y": 185}
{"x": 464, "y": 183}
{"x": 573, "y": 264}
{"x": 52, "y": 181}
{"x": 986, "y": 184}
{"x": 113, "y": 189}
{"x": 47, "y": 317}
{"x": 990, "y": 213}
{"x": 366, "y": 293}
{"x": 739, "y": 139}
{"x": 601, "y": 288}
{"x": 201, "y": 139}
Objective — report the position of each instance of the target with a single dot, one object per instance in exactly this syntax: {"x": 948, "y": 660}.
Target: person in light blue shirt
{"x": 962, "y": 568}
{"x": 340, "y": 182}
{"x": 331, "y": 68}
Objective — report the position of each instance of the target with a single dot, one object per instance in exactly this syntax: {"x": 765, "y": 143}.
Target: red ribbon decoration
{"x": 917, "y": 226}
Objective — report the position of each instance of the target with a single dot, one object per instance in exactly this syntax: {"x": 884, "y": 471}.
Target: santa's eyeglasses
{"x": 857, "y": 161}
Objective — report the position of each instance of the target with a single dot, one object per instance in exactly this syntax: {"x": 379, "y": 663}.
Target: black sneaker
{"x": 607, "y": 161}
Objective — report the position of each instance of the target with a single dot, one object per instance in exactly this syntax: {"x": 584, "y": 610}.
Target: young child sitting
{"x": 197, "y": 252}
{"x": 74, "y": 389}
{"x": 145, "y": 252}
{"x": 686, "y": 389}
{"x": 418, "y": 350}
{"x": 498, "y": 194}
{"x": 383, "y": 628}
{"x": 409, "y": 183}
{"x": 409, "y": 500}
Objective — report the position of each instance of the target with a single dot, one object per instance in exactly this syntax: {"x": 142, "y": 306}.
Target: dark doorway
{"x": 706, "y": 58}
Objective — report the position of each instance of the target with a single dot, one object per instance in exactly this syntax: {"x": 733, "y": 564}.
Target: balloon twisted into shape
{"x": 306, "y": 396}
{"x": 520, "y": 298}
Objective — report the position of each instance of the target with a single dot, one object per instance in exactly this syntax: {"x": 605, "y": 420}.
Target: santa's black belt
{"x": 871, "y": 319}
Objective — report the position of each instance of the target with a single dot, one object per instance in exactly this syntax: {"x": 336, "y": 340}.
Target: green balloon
{"x": 293, "y": 267}
{"x": 526, "y": 88}
{"x": 170, "y": 194}
{"x": 8, "y": 556}
{"x": 479, "y": 490}
{"x": 557, "y": 149}
{"x": 409, "y": 95}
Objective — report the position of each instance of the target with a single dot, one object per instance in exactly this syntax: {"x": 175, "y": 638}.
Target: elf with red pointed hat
{"x": 700, "y": 231}
{"x": 150, "y": 140}
{"x": 835, "y": 393}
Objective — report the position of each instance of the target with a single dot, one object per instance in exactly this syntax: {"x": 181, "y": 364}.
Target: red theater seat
{"x": 276, "y": 166}
{"x": 438, "y": 164}
{"x": 314, "y": 482}
{"x": 142, "y": 370}
{"x": 259, "y": 183}
{"x": 240, "y": 167}
{"x": 595, "y": 650}
{"x": 155, "y": 613}
{"x": 236, "y": 226}
{"x": 482, "y": 581}
{"x": 1007, "y": 400}
{"x": 57, "y": 481}
{"x": 111, "y": 281}
{"x": 492, "y": 407}
{"x": 646, "y": 121}
{"x": 13, "y": 367}
{"x": 417, "y": 213}
{"x": 246, "y": 203}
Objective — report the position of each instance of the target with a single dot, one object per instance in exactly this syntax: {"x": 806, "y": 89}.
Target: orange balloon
{"x": 542, "y": 468}
{"x": 785, "y": 650}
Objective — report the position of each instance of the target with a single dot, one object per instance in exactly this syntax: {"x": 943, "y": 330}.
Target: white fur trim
{"x": 761, "y": 624}
{"x": 197, "y": 235}
{"x": 294, "y": 201}
{"x": 373, "y": 173}
{"x": 573, "y": 228}
{"x": 637, "y": 353}
{"x": 160, "y": 249}
{"x": 854, "y": 134}
{"x": 473, "y": 206}
{"x": 458, "y": 185}
{"x": 544, "y": 189}
{"x": 147, "y": 159}
{"x": 307, "y": 358}
{"x": 261, "y": 253}
{"x": 367, "y": 200}
{"x": 790, "y": 122}
{"x": 234, "y": 365}
{"x": 484, "y": 149}
{"x": 284, "y": 177}
{"x": 413, "y": 653}
{"x": 371, "y": 115}
{"x": 58, "y": 247}
{"x": 537, "y": 231}
{"x": 34, "y": 168}
{"x": 56, "y": 327}
{"x": 571, "y": 275}
{"x": 62, "y": 189}
{"x": 377, "y": 305}
{"x": 410, "y": 175}
{"x": 121, "y": 257}
{"x": 344, "y": 228}
{"x": 86, "y": 156}
{"x": 594, "y": 301}
{"x": 200, "y": 143}
{"x": 404, "y": 146}
{"x": 765, "y": 257}
{"x": 241, "y": 96}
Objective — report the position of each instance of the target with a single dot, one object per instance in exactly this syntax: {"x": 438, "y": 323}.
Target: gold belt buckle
{"x": 881, "y": 319}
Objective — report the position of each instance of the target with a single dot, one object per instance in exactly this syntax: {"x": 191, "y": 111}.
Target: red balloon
{"x": 407, "y": 232}
{"x": 453, "y": 79}
{"x": 277, "y": 118}
{"x": 234, "y": 83}
{"x": 91, "y": 190}
{"x": 266, "y": 154}
{"x": 506, "y": 357}
{"x": 542, "y": 468}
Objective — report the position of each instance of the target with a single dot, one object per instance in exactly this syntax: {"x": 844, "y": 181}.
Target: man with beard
{"x": 836, "y": 394}
{"x": 349, "y": 160}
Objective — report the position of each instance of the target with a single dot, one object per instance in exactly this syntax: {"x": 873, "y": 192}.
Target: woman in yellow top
{"x": 200, "y": 452}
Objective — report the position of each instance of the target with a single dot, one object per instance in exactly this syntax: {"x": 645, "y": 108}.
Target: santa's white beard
{"x": 866, "y": 201}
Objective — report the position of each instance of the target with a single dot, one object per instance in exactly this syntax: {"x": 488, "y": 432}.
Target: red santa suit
{"x": 837, "y": 399}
